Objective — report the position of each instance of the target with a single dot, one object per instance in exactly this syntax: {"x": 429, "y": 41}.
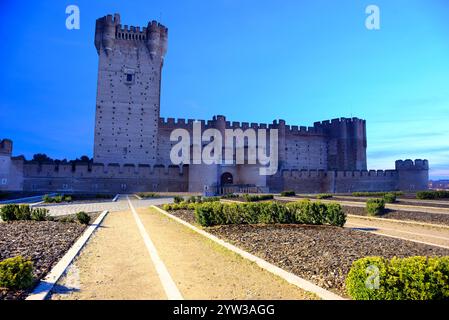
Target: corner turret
{"x": 105, "y": 32}
{"x": 413, "y": 175}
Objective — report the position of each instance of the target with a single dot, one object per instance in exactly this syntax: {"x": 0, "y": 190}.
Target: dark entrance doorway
{"x": 227, "y": 179}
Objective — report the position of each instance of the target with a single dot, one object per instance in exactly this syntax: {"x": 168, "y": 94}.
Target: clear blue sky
{"x": 251, "y": 60}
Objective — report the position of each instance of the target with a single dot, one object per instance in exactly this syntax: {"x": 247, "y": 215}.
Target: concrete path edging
{"x": 116, "y": 198}
{"x": 138, "y": 197}
{"x": 287, "y": 276}
{"x": 45, "y": 285}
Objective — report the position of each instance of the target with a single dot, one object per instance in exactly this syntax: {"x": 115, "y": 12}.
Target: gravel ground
{"x": 43, "y": 242}
{"x": 321, "y": 254}
{"x": 434, "y": 218}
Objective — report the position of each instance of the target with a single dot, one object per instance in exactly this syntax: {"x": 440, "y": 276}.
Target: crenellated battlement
{"x": 99, "y": 170}
{"x": 295, "y": 173}
{"x": 338, "y": 122}
{"x": 174, "y": 123}
{"x": 6, "y": 146}
{"x": 409, "y": 164}
{"x": 109, "y": 30}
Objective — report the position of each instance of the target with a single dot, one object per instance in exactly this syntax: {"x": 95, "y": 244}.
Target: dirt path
{"x": 429, "y": 235}
{"x": 204, "y": 270}
{"x": 116, "y": 264}
{"x": 113, "y": 265}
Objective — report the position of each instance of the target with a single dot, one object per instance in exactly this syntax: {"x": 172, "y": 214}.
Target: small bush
{"x": 178, "y": 199}
{"x": 58, "y": 199}
{"x": 432, "y": 195}
{"x": 255, "y": 198}
{"x": 8, "y": 212}
{"x": 47, "y": 199}
{"x": 67, "y": 219}
{"x": 389, "y": 198}
{"x": 375, "y": 207}
{"x": 68, "y": 198}
{"x": 83, "y": 217}
{"x": 324, "y": 196}
{"x": 40, "y": 214}
{"x": 146, "y": 195}
{"x": 414, "y": 278}
{"x": 288, "y": 193}
{"x": 230, "y": 196}
{"x": 376, "y": 194}
{"x": 16, "y": 273}
{"x": 23, "y": 212}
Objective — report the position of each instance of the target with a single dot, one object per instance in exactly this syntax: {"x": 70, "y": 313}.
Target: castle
{"x": 132, "y": 143}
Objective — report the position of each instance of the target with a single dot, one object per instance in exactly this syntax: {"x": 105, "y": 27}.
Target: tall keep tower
{"x": 128, "y": 91}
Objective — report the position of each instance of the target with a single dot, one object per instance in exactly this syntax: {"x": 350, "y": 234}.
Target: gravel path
{"x": 321, "y": 254}
{"x": 43, "y": 242}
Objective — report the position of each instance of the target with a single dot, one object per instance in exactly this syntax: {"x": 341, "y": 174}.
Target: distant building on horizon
{"x": 439, "y": 184}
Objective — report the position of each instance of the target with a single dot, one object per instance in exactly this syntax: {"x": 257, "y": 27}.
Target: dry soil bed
{"x": 434, "y": 218}
{"x": 321, "y": 254}
{"x": 43, "y": 242}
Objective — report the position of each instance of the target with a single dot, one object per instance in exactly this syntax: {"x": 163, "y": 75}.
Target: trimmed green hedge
{"x": 303, "y": 212}
{"x": 178, "y": 199}
{"x": 415, "y": 278}
{"x": 432, "y": 195}
{"x": 288, "y": 193}
{"x": 147, "y": 195}
{"x": 16, "y": 273}
{"x": 230, "y": 196}
{"x": 324, "y": 196}
{"x": 256, "y": 197}
{"x": 14, "y": 212}
{"x": 57, "y": 199}
{"x": 376, "y": 194}
{"x": 375, "y": 207}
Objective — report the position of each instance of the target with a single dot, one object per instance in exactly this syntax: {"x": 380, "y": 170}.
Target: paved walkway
{"x": 120, "y": 205}
{"x": 133, "y": 255}
{"x": 438, "y": 236}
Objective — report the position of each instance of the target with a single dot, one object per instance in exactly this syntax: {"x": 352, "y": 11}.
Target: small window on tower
{"x": 129, "y": 77}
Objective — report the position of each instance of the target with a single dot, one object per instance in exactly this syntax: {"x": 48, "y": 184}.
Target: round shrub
{"x": 389, "y": 197}
{"x": 16, "y": 273}
{"x": 375, "y": 207}
{"x": 414, "y": 278}
{"x": 288, "y": 193}
{"x": 83, "y": 217}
